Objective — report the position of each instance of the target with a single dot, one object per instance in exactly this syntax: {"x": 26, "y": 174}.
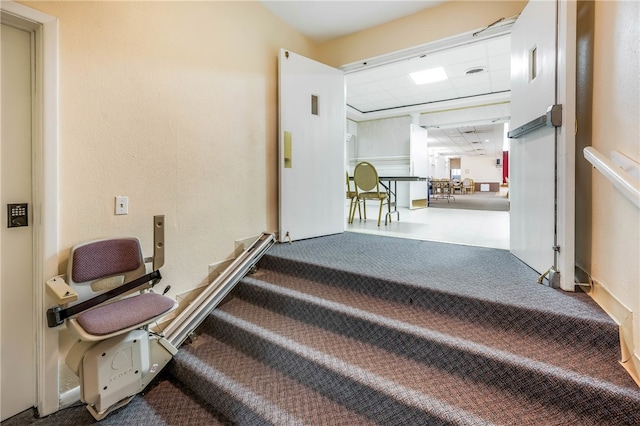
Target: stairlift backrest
{"x": 99, "y": 266}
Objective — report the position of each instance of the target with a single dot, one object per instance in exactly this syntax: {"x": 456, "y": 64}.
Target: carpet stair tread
{"x": 451, "y": 354}
{"x": 419, "y": 386}
{"x": 545, "y": 382}
{"x": 554, "y": 318}
{"x": 409, "y": 332}
{"x": 600, "y": 363}
{"x": 457, "y": 272}
{"x": 256, "y": 392}
{"x": 167, "y": 403}
{"x": 164, "y": 403}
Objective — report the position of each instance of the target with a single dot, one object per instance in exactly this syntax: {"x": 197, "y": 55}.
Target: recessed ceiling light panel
{"x": 431, "y": 75}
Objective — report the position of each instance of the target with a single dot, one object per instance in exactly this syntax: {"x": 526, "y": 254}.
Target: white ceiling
{"x": 387, "y": 90}
{"x": 468, "y": 141}
{"x": 390, "y": 87}
{"x": 324, "y": 20}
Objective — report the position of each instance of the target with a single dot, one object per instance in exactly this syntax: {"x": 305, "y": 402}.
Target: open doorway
{"x": 464, "y": 115}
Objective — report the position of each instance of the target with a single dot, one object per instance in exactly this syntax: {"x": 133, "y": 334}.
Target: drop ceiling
{"x": 385, "y": 91}
{"x": 467, "y": 141}
{"x": 389, "y": 87}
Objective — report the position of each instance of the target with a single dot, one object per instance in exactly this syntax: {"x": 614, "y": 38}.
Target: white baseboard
{"x": 69, "y": 397}
{"x": 623, "y": 316}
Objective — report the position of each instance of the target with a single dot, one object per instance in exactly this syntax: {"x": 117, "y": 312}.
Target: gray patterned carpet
{"x": 165, "y": 402}
{"x": 477, "y": 201}
{"x": 359, "y": 329}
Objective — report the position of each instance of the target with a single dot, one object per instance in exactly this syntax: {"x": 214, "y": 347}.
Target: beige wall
{"x": 173, "y": 104}
{"x": 615, "y": 244}
{"x": 446, "y": 20}
{"x": 482, "y": 169}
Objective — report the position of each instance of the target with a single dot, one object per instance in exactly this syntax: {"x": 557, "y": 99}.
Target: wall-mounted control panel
{"x": 17, "y": 215}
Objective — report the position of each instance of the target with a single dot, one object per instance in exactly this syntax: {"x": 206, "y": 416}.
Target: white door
{"x": 419, "y": 163}
{"x": 541, "y": 228}
{"x": 16, "y": 248}
{"x": 311, "y": 148}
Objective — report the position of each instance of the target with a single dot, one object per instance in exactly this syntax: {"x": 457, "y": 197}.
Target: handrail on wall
{"x": 621, "y": 179}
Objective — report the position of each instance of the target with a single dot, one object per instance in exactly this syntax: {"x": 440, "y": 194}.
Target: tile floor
{"x": 470, "y": 227}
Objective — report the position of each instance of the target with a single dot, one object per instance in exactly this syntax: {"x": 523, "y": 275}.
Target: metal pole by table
{"x": 393, "y": 194}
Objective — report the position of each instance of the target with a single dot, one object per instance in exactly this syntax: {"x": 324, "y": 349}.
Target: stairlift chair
{"x": 105, "y": 299}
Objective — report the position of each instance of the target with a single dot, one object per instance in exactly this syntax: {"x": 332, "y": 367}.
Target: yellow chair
{"x": 353, "y": 196}
{"x": 365, "y": 177}
{"x": 468, "y": 186}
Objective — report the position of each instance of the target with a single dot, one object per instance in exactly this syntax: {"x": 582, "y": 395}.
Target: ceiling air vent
{"x": 475, "y": 70}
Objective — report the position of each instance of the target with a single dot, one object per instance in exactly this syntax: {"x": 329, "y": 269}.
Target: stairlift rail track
{"x": 193, "y": 315}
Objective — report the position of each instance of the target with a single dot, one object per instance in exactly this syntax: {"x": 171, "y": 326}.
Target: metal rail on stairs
{"x": 621, "y": 179}
{"x": 193, "y": 315}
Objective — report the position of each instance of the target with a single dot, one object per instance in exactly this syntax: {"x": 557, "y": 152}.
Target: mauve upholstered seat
{"x": 124, "y": 313}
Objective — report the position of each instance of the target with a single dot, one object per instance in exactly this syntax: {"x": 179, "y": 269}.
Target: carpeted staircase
{"x": 356, "y": 329}
{"x": 320, "y": 342}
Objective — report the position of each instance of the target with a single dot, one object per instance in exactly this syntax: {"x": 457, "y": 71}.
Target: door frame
{"x": 565, "y": 156}
{"x": 566, "y": 27}
{"x": 45, "y": 191}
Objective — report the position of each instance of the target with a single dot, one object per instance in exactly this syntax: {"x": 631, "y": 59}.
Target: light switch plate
{"x": 122, "y": 204}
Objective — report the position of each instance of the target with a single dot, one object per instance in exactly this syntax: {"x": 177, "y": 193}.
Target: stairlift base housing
{"x": 112, "y": 371}
{"x": 113, "y": 368}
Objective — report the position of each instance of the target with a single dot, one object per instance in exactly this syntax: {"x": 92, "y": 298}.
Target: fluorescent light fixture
{"x": 431, "y": 75}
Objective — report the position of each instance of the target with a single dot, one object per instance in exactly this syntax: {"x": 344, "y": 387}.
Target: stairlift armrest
{"x": 60, "y": 291}
{"x": 56, "y": 315}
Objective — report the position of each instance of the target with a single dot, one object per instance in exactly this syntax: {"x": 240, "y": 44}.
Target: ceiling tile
{"x": 470, "y": 81}
{"x": 474, "y": 90}
{"x": 388, "y": 87}
{"x": 501, "y": 80}
{"x": 498, "y": 45}
{"x": 500, "y": 62}
{"x": 403, "y": 81}
{"x": 473, "y": 52}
